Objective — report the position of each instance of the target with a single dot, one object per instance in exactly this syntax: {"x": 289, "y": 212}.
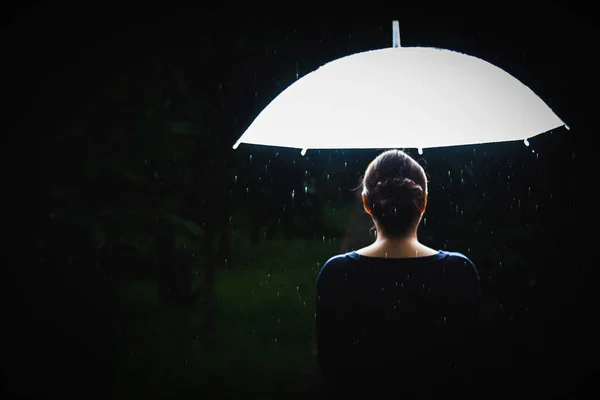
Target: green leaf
{"x": 191, "y": 227}
{"x": 140, "y": 241}
{"x": 182, "y": 240}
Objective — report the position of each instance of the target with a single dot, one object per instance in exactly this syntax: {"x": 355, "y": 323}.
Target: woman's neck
{"x": 406, "y": 241}
{"x": 408, "y": 246}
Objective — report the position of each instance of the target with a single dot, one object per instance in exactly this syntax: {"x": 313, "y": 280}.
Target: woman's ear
{"x": 364, "y": 200}
{"x": 424, "y": 205}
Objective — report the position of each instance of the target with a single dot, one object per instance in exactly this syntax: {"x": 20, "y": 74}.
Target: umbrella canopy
{"x": 402, "y": 97}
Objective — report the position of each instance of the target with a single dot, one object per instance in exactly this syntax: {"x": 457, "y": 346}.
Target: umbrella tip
{"x": 395, "y": 34}
{"x": 567, "y": 126}
{"x": 236, "y": 145}
{"x": 303, "y": 152}
{"x": 420, "y": 149}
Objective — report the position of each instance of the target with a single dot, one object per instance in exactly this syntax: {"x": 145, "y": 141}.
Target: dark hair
{"x": 395, "y": 187}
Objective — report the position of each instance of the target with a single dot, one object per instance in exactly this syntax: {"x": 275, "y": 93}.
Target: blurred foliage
{"x": 142, "y": 193}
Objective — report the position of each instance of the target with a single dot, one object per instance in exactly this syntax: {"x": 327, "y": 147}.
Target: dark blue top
{"x": 403, "y": 321}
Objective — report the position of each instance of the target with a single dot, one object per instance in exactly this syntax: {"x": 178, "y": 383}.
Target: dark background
{"x": 119, "y": 171}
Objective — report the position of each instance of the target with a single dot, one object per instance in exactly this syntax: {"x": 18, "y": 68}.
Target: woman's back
{"x": 398, "y": 321}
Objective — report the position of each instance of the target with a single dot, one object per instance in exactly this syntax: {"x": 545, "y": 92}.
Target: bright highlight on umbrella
{"x": 402, "y": 97}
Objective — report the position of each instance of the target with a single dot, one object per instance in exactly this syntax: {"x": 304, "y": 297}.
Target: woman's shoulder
{"x": 461, "y": 261}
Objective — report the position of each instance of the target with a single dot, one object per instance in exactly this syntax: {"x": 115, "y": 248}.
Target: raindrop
{"x": 250, "y": 157}
{"x": 536, "y": 207}
{"x": 277, "y": 294}
{"x": 445, "y": 319}
{"x": 305, "y": 189}
{"x": 323, "y": 239}
{"x": 327, "y": 176}
{"x": 345, "y": 166}
{"x": 382, "y": 289}
{"x": 275, "y": 340}
{"x": 235, "y": 178}
{"x": 246, "y": 190}
{"x": 529, "y": 191}
{"x": 292, "y": 195}
{"x": 424, "y": 221}
{"x": 296, "y": 70}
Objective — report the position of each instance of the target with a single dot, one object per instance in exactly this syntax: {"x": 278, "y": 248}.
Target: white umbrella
{"x": 402, "y": 97}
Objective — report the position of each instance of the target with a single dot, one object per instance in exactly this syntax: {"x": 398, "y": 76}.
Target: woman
{"x": 396, "y": 313}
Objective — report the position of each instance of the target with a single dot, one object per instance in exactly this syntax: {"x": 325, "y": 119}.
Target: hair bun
{"x": 391, "y": 187}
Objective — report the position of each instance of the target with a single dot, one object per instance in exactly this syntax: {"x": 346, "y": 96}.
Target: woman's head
{"x": 395, "y": 193}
